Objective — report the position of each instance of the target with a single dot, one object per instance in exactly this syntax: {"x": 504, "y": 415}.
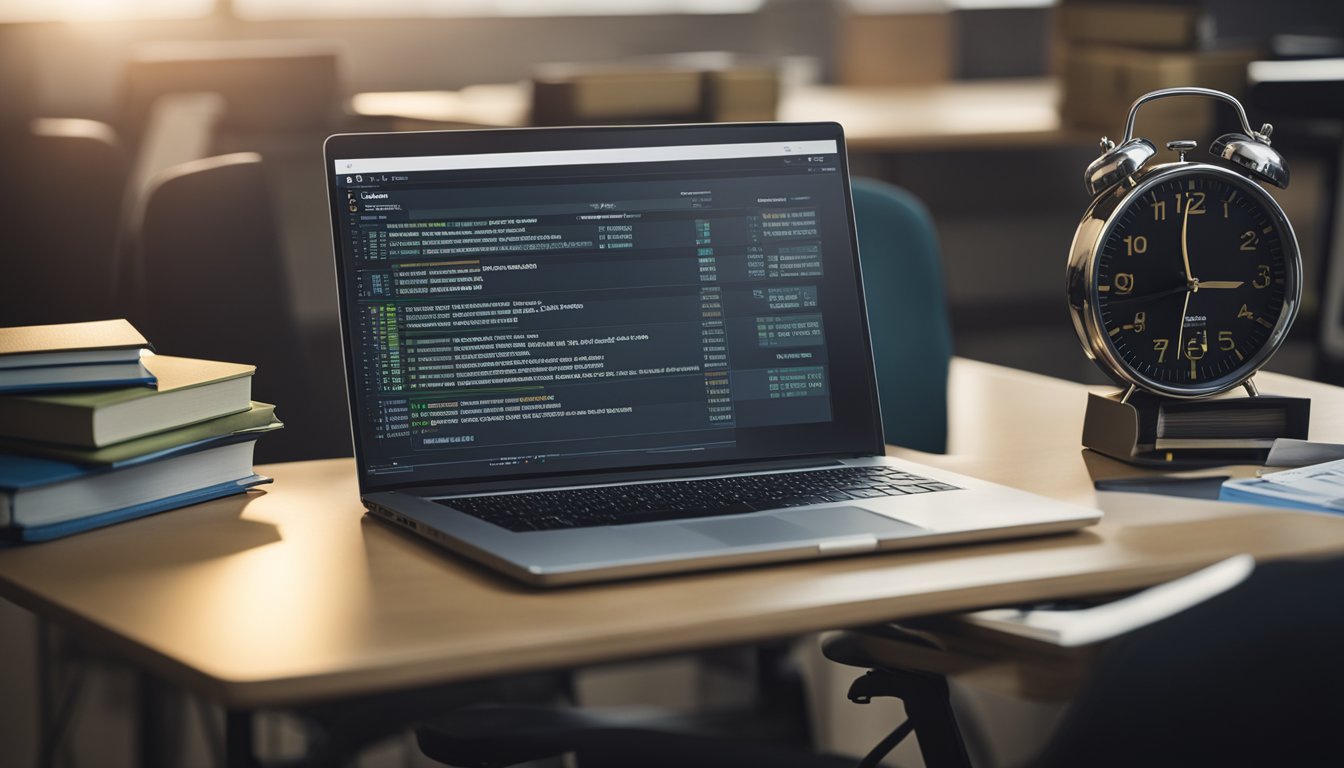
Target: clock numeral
{"x": 1263, "y": 280}
{"x": 1249, "y": 240}
{"x": 1196, "y": 346}
{"x": 1160, "y": 210}
{"x": 1226, "y": 342}
{"x": 1140, "y": 323}
{"x": 1135, "y": 244}
{"x": 1124, "y": 282}
{"x": 1160, "y": 347}
{"x": 1194, "y": 202}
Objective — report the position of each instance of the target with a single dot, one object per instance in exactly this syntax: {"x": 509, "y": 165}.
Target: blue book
{"x": 62, "y": 378}
{"x": 44, "y": 498}
{"x": 94, "y": 355}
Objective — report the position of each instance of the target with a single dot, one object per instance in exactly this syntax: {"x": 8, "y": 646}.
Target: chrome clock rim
{"x": 1096, "y": 226}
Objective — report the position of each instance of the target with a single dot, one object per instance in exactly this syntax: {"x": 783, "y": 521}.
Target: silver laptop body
{"x": 540, "y": 324}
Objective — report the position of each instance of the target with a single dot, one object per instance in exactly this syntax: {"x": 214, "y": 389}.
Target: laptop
{"x": 579, "y": 354}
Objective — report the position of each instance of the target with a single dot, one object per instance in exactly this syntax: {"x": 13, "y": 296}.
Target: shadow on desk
{"x": 182, "y": 537}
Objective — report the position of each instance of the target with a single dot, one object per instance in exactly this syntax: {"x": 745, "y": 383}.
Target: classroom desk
{"x": 966, "y": 114}
{"x": 291, "y": 595}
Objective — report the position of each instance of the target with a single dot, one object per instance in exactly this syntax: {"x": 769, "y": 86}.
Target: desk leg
{"x": 159, "y": 723}
{"x": 46, "y": 683}
{"x": 238, "y": 739}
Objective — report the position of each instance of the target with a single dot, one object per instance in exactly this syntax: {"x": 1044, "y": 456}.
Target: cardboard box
{"x": 741, "y": 94}
{"x": 1140, "y": 25}
{"x": 649, "y": 91}
{"x": 896, "y": 49}
{"x": 1100, "y": 83}
{"x": 561, "y": 97}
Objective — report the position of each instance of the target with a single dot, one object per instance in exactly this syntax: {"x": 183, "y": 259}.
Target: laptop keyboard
{"x": 679, "y": 500}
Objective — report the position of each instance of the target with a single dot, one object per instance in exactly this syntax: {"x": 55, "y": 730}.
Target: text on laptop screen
{"x": 571, "y": 310}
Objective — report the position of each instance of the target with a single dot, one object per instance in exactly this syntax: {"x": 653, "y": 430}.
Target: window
{"x": 100, "y": 10}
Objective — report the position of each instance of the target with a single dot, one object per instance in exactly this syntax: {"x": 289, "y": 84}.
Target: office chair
{"x": 268, "y": 86}
{"x": 907, "y": 313}
{"x": 1251, "y": 677}
{"x": 215, "y": 286}
{"x": 912, "y": 344}
{"x": 277, "y": 98}
{"x": 65, "y": 179}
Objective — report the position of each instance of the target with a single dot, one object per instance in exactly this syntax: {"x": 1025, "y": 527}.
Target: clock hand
{"x": 1185, "y": 243}
{"x": 1118, "y": 299}
{"x": 1220, "y": 283}
{"x": 1181, "y": 333}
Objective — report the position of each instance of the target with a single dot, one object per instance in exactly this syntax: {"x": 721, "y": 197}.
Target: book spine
{"x": 24, "y": 419}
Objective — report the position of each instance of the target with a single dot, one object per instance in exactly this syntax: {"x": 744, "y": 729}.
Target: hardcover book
{"x": 187, "y": 391}
{"x": 43, "y": 498}
{"x": 101, "y": 341}
{"x": 259, "y": 418}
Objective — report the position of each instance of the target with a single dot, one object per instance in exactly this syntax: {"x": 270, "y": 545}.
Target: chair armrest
{"x": 979, "y": 658}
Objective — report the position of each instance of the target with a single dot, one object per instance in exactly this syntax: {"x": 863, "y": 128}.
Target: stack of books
{"x": 96, "y": 429}
{"x": 1110, "y": 52}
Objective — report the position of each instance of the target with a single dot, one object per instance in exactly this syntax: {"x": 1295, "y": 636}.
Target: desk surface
{"x": 876, "y": 118}
{"x": 291, "y": 594}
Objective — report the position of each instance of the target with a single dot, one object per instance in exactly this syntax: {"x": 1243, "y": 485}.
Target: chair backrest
{"x": 180, "y": 128}
{"x": 272, "y": 86}
{"x": 215, "y": 280}
{"x": 66, "y": 177}
{"x": 907, "y": 313}
{"x": 1252, "y": 677}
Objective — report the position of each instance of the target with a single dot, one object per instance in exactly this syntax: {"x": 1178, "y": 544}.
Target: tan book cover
{"x": 69, "y": 343}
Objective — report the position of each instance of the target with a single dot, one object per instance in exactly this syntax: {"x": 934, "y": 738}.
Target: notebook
{"x": 578, "y": 354}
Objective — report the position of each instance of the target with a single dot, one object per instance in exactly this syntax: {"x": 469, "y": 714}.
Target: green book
{"x": 259, "y": 418}
{"x": 187, "y": 391}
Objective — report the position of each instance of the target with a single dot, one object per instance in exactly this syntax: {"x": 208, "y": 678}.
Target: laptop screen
{"x": 552, "y": 302}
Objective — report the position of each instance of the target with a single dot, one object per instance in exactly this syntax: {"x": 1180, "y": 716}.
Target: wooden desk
{"x": 291, "y": 594}
{"x": 994, "y": 113}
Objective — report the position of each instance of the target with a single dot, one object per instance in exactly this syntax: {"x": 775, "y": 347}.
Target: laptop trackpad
{"x": 801, "y": 525}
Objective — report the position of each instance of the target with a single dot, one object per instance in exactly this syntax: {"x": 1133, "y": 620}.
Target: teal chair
{"x": 907, "y": 313}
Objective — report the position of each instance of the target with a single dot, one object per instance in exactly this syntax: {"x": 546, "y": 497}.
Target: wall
{"x": 74, "y": 70}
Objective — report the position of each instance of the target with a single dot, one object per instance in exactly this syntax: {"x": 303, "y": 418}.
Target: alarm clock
{"x": 1184, "y": 277}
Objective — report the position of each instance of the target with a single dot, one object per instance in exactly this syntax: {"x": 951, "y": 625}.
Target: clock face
{"x": 1192, "y": 278}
